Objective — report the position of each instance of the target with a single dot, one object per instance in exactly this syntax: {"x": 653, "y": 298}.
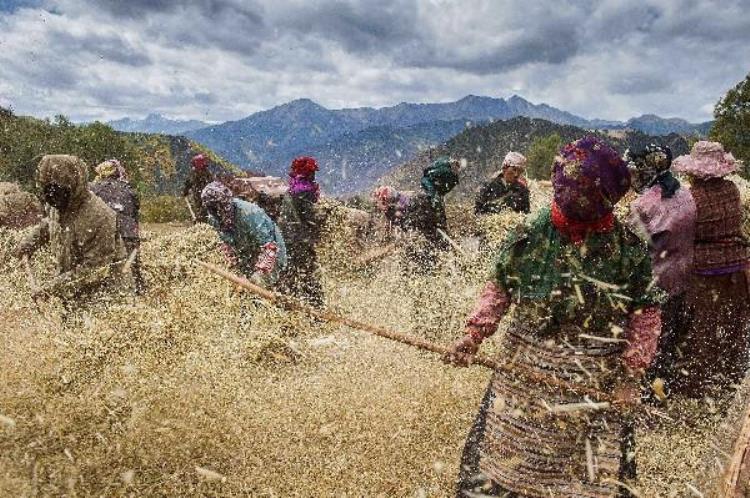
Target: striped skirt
{"x": 537, "y": 441}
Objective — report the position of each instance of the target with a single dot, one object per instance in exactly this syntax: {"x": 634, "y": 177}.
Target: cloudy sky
{"x": 224, "y": 59}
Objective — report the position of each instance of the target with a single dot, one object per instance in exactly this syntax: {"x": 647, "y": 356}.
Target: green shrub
{"x": 732, "y": 125}
{"x": 541, "y": 155}
{"x": 163, "y": 209}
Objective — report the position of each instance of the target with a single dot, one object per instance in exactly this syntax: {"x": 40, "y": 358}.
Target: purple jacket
{"x": 669, "y": 227}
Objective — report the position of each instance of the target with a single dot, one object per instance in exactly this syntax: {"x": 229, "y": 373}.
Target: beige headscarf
{"x": 66, "y": 171}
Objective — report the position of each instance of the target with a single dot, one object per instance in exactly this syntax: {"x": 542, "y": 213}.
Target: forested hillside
{"x": 483, "y": 148}
{"x": 157, "y": 164}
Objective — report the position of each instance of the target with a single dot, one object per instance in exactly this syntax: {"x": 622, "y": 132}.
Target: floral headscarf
{"x": 217, "y": 199}
{"x": 650, "y": 166}
{"x": 199, "y": 162}
{"x": 589, "y": 177}
{"x": 111, "y": 168}
{"x": 706, "y": 160}
{"x": 515, "y": 160}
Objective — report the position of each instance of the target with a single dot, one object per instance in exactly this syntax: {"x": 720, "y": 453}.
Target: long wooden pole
{"x": 456, "y": 247}
{"x": 740, "y": 457}
{"x": 379, "y": 253}
{"x": 418, "y": 342}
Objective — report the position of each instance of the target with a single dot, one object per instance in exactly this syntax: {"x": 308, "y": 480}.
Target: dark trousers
{"x": 135, "y": 267}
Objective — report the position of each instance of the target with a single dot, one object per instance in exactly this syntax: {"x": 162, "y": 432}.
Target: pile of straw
{"x": 198, "y": 389}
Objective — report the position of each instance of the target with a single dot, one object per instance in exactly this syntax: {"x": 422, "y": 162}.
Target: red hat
{"x": 199, "y": 161}
{"x": 304, "y": 166}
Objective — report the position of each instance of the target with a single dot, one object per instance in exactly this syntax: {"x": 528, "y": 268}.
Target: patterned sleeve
{"x": 642, "y": 289}
{"x": 489, "y": 309}
{"x": 643, "y": 331}
{"x": 513, "y": 249}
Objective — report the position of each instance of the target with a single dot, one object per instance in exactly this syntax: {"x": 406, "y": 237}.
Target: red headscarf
{"x": 577, "y": 231}
{"x": 199, "y": 162}
{"x": 304, "y": 167}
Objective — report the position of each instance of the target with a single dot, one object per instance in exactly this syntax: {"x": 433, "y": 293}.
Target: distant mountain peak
{"x": 302, "y": 103}
{"x": 156, "y": 123}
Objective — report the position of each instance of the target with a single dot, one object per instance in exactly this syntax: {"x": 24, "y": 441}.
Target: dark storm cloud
{"x": 358, "y": 27}
{"x": 640, "y": 83}
{"x": 134, "y": 8}
{"x": 559, "y": 43}
{"x": 110, "y": 47}
{"x": 598, "y": 58}
{"x": 50, "y": 75}
{"x": 192, "y": 11}
{"x": 237, "y": 26}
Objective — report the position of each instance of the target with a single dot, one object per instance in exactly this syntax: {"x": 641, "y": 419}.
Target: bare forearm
{"x": 643, "y": 331}
{"x": 492, "y": 305}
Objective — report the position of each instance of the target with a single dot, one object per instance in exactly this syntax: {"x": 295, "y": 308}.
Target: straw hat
{"x": 706, "y": 160}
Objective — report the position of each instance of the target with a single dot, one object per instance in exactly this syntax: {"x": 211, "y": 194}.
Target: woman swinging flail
{"x": 585, "y": 311}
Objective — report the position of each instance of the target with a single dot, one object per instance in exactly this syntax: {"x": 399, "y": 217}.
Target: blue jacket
{"x": 253, "y": 229}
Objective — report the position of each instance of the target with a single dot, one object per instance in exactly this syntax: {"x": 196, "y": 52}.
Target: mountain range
{"x": 156, "y": 123}
{"x": 357, "y": 146}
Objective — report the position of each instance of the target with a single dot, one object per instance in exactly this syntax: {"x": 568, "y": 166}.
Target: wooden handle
{"x": 456, "y": 247}
{"x": 190, "y": 208}
{"x": 740, "y": 455}
{"x": 418, "y": 342}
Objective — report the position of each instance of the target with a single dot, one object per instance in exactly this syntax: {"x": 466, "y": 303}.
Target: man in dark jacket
{"x": 196, "y": 181}
{"x": 111, "y": 185}
{"x": 507, "y": 190}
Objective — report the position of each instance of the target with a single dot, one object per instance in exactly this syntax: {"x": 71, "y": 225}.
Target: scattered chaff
{"x": 209, "y": 475}
{"x": 7, "y": 422}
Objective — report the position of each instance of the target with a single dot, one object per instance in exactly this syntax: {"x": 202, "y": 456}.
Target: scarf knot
{"x": 577, "y": 231}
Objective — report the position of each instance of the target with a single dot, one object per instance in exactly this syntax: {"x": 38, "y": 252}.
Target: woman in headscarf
{"x": 251, "y": 240}
{"x": 507, "y": 190}
{"x": 584, "y": 314}
{"x": 664, "y": 216}
{"x": 714, "y": 348}
{"x": 422, "y": 214}
{"x": 112, "y": 186}
{"x": 301, "y": 224}
{"x": 80, "y": 229}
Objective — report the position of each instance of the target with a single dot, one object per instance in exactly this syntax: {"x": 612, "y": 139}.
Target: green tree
{"x": 541, "y": 154}
{"x": 23, "y": 141}
{"x": 732, "y": 122}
